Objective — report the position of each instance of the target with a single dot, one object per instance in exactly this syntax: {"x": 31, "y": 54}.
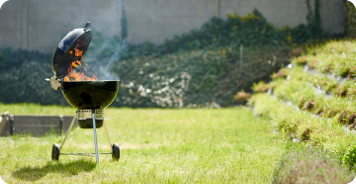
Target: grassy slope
{"x": 175, "y": 146}
{"x": 321, "y": 121}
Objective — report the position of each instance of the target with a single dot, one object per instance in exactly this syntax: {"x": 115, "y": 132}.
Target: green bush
{"x": 249, "y": 30}
{"x": 10, "y": 59}
{"x": 27, "y": 84}
{"x": 350, "y": 156}
{"x": 210, "y": 75}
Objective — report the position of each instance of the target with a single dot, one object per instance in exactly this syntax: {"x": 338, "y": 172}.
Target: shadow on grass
{"x": 29, "y": 173}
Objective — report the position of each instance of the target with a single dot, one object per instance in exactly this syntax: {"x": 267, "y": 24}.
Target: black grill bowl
{"x": 90, "y": 94}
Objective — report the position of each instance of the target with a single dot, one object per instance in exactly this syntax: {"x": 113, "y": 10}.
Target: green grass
{"x": 30, "y": 108}
{"x": 323, "y": 133}
{"x": 157, "y": 146}
{"x": 335, "y": 57}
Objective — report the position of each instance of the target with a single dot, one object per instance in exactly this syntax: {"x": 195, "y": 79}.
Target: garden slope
{"x": 313, "y": 100}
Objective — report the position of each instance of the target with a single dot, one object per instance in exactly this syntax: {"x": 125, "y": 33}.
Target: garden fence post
{"x": 5, "y": 117}
{"x": 11, "y": 124}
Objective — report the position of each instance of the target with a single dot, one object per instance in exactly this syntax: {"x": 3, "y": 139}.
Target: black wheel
{"x": 115, "y": 152}
{"x": 55, "y": 152}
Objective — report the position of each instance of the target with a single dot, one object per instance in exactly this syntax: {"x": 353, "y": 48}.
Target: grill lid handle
{"x": 55, "y": 83}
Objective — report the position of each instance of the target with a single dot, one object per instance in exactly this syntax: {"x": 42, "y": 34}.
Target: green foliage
{"x": 249, "y": 30}
{"x": 196, "y": 77}
{"x": 27, "y": 84}
{"x": 208, "y": 75}
{"x": 323, "y": 121}
{"x": 350, "y": 156}
{"x": 260, "y": 87}
{"x": 23, "y": 75}
{"x": 350, "y": 20}
{"x": 10, "y": 59}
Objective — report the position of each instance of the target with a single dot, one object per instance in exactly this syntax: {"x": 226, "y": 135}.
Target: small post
{"x": 241, "y": 49}
{"x": 61, "y": 124}
{"x": 11, "y": 124}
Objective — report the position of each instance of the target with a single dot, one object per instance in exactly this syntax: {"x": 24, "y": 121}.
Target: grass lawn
{"x": 157, "y": 146}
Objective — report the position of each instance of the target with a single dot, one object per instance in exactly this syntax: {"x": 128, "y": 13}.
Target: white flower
{"x": 144, "y": 94}
{"x": 131, "y": 84}
{"x": 141, "y": 88}
{"x": 165, "y": 89}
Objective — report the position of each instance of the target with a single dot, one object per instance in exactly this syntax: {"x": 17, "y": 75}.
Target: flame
{"x": 78, "y": 52}
{"x": 75, "y": 75}
{"x": 79, "y": 76}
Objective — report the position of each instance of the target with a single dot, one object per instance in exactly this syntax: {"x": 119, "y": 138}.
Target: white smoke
{"x": 104, "y": 71}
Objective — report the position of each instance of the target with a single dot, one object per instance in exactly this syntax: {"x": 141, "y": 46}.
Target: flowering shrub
{"x": 159, "y": 91}
{"x": 196, "y": 78}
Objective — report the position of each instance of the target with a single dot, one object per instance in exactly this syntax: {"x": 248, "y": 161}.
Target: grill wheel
{"x": 55, "y": 152}
{"x": 115, "y": 152}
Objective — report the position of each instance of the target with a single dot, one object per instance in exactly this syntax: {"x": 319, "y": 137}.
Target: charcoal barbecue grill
{"x": 90, "y": 98}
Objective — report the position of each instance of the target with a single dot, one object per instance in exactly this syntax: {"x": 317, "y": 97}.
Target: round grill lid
{"x": 70, "y": 49}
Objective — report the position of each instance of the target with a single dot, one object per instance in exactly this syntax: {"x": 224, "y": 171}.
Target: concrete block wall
{"x": 40, "y": 24}
{"x": 36, "y": 125}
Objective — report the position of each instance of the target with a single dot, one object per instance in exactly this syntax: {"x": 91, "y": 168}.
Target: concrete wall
{"x": 40, "y": 24}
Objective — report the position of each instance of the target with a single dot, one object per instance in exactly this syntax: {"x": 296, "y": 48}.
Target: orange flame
{"x": 78, "y": 52}
{"x": 78, "y": 76}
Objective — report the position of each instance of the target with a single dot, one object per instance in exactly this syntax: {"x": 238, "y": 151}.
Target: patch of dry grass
{"x": 308, "y": 165}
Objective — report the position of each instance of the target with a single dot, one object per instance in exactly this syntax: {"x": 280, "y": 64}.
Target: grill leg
{"x": 69, "y": 129}
{"x": 107, "y": 136}
{"x": 96, "y": 143}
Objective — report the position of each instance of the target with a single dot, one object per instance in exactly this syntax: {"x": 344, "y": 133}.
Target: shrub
{"x": 260, "y": 87}
{"x": 241, "y": 97}
{"x": 350, "y": 156}
{"x": 27, "y": 84}
{"x": 302, "y": 60}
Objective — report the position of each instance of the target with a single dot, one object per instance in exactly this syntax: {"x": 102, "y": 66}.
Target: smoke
{"x": 104, "y": 52}
{"x": 102, "y": 55}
